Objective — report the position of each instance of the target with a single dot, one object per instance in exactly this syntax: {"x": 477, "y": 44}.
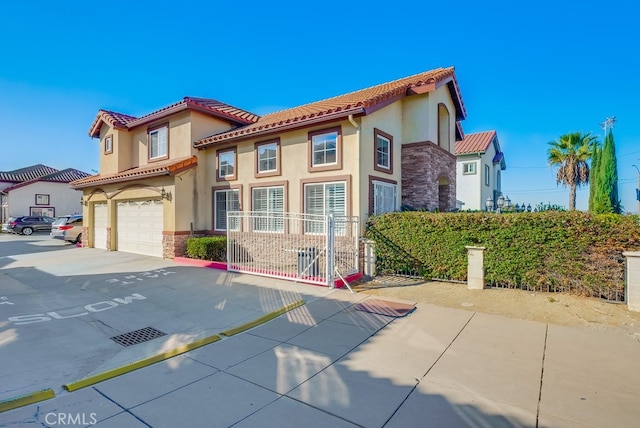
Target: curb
{"x": 74, "y": 386}
{"x": 262, "y": 319}
{"x": 109, "y": 374}
{"x": 24, "y": 400}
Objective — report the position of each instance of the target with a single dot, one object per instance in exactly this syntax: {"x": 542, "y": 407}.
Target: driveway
{"x": 60, "y": 306}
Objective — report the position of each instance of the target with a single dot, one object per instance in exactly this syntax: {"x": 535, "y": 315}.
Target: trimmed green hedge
{"x": 208, "y": 248}
{"x": 532, "y": 249}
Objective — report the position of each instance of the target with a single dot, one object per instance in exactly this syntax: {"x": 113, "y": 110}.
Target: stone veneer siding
{"x": 423, "y": 164}
{"x": 174, "y": 244}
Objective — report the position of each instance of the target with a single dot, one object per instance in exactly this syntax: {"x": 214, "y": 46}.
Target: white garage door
{"x": 100, "y": 226}
{"x": 140, "y": 227}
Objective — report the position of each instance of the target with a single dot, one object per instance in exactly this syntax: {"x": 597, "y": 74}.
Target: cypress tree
{"x": 606, "y": 198}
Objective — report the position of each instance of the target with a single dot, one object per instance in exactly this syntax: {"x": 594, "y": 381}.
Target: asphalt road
{"x": 60, "y": 307}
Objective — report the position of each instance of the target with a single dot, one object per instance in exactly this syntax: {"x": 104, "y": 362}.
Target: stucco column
{"x": 632, "y": 276}
{"x": 368, "y": 257}
{"x": 475, "y": 267}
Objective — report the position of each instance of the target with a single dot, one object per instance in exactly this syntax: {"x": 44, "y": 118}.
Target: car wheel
{"x": 78, "y": 239}
{"x": 27, "y": 231}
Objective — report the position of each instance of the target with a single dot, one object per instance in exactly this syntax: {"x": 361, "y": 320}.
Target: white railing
{"x": 302, "y": 247}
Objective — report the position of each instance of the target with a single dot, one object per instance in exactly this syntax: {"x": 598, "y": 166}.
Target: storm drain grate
{"x": 137, "y": 336}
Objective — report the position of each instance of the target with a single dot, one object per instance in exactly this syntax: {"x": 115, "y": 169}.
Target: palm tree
{"x": 570, "y": 154}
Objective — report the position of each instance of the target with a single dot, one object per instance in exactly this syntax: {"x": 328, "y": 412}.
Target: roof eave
{"x": 112, "y": 180}
{"x": 202, "y": 145}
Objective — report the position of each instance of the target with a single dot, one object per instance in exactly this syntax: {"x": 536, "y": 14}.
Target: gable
{"x": 357, "y": 103}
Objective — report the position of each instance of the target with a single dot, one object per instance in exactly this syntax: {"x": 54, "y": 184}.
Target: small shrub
{"x": 208, "y": 248}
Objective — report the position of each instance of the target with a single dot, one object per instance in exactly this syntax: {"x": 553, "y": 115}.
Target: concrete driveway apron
{"x": 61, "y": 305}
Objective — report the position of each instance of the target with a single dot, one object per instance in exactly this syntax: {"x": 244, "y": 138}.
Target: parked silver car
{"x": 67, "y": 228}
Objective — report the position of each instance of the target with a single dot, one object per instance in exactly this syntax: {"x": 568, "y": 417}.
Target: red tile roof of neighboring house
{"x": 364, "y": 101}
{"x": 26, "y": 173}
{"x": 167, "y": 167}
{"x": 204, "y": 105}
{"x": 475, "y": 143}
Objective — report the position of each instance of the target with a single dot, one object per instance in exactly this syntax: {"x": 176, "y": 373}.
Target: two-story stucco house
{"x": 39, "y": 190}
{"x": 176, "y": 172}
{"x": 479, "y": 166}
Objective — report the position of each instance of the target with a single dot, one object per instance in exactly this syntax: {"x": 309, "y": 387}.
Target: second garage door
{"x": 140, "y": 227}
{"x": 100, "y": 224}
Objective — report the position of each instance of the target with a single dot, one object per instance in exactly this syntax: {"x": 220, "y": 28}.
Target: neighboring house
{"x": 176, "y": 172}
{"x": 39, "y": 190}
{"x": 480, "y": 163}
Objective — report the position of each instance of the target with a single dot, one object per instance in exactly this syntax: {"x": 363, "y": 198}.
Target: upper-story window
{"x": 227, "y": 164}
{"x": 108, "y": 144}
{"x": 268, "y": 158}
{"x": 444, "y": 127}
{"x": 487, "y": 175}
{"x": 469, "y": 168}
{"x": 325, "y": 149}
{"x": 159, "y": 142}
{"x": 383, "y": 151}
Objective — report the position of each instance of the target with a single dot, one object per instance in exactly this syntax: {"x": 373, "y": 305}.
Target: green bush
{"x": 539, "y": 249}
{"x": 208, "y": 248}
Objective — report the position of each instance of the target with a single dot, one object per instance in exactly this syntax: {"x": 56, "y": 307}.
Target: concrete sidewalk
{"x": 326, "y": 364}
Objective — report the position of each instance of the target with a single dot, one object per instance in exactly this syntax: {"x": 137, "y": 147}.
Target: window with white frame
{"x": 384, "y": 197}
{"x": 227, "y": 164}
{"x": 468, "y": 168}
{"x": 383, "y": 150}
{"x": 324, "y": 149}
{"x": 324, "y": 199}
{"x": 108, "y": 144}
{"x": 270, "y": 201}
{"x": 267, "y": 157}
{"x": 487, "y": 175}
{"x": 225, "y": 201}
{"x": 158, "y": 142}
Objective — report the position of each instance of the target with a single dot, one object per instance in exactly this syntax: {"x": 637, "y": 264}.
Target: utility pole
{"x": 638, "y": 188}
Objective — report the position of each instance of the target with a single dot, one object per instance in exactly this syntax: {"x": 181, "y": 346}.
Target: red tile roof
{"x": 363, "y": 101}
{"x": 204, "y": 105}
{"x": 475, "y": 143}
{"x": 167, "y": 167}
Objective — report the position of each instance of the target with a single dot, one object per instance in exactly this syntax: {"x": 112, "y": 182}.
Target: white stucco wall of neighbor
{"x": 59, "y": 196}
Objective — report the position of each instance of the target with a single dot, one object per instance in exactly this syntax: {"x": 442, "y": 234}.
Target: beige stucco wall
{"x": 420, "y": 117}
{"x": 388, "y": 120}
{"x": 294, "y": 168}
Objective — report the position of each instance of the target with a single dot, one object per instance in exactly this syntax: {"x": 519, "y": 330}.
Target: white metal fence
{"x": 302, "y": 247}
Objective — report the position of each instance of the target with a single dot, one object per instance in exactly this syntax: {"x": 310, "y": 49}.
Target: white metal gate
{"x": 301, "y": 247}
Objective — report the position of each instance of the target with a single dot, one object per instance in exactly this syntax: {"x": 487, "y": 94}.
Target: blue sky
{"x": 531, "y": 71}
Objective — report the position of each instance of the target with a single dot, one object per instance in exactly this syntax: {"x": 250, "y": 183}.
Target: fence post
{"x": 368, "y": 257}
{"x": 330, "y": 240}
{"x": 632, "y": 278}
{"x": 475, "y": 267}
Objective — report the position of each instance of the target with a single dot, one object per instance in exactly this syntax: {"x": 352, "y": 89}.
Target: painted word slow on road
{"x": 101, "y": 306}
